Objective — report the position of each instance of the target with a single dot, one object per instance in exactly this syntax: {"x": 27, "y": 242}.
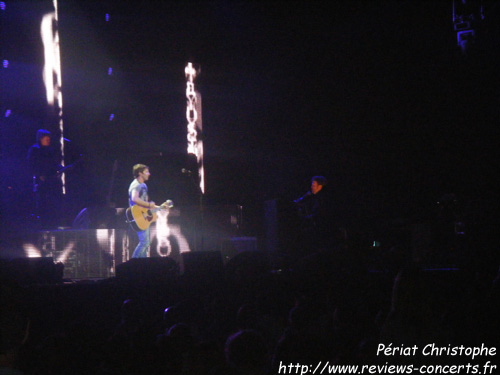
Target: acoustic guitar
{"x": 141, "y": 217}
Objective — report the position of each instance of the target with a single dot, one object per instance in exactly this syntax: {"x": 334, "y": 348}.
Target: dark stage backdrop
{"x": 23, "y": 104}
{"x": 376, "y": 96}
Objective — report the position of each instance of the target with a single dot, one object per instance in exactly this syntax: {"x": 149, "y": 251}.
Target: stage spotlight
{"x": 466, "y": 16}
{"x": 462, "y": 23}
{"x": 5, "y": 63}
{"x": 465, "y": 32}
{"x": 465, "y": 39}
{"x": 2, "y": 5}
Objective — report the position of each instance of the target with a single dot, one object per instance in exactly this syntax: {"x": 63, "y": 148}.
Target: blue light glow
{"x": 110, "y": 71}
{"x": 111, "y": 117}
{"x": 2, "y": 5}
{"x": 7, "y": 113}
{"x": 6, "y": 63}
{"x": 107, "y": 17}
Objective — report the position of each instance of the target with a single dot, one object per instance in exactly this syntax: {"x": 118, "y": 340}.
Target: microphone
{"x": 302, "y": 197}
{"x": 186, "y": 171}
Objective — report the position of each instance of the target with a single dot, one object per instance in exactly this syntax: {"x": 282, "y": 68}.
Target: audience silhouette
{"x": 327, "y": 308}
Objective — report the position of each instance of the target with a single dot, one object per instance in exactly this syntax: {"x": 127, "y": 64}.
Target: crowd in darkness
{"x": 249, "y": 319}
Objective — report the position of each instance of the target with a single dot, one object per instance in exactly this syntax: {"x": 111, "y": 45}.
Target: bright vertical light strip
{"x": 193, "y": 116}
{"x": 52, "y": 76}
{"x": 48, "y": 45}
{"x": 199, "y": 143}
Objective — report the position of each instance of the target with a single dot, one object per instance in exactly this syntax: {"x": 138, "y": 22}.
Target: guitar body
{"x": 141, "y": 217}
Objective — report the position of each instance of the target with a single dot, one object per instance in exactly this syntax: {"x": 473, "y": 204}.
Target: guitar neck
{"x": 159, "y": 208}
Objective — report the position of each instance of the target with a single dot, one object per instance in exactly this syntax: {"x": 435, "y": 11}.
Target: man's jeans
{"x": 141, "y": 251}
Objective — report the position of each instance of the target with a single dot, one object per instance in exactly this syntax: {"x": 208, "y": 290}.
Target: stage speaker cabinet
{"x": 147, "y": 270}
{"x": 230, "y": 247}
{"x": 202, "y": 265}
{"x": 282, "y": 225}
{"x": 221, "y": 221}
{"x": 28, "y": 271}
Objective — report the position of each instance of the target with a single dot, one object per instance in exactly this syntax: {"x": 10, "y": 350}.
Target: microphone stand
{"x": 35, "y": 213}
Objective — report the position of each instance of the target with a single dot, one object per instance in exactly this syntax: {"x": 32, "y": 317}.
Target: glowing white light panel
{"x": 194, "y": 120}
{"x": 52, "y": 72}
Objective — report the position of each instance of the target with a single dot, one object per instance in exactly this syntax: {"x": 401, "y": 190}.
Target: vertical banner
{"x": 194, "y": 122}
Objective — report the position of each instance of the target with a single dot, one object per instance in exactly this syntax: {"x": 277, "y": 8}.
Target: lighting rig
{"x": 467, "y": 15}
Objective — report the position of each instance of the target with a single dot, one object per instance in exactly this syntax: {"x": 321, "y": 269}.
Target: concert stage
{"x": 96, "y": 253}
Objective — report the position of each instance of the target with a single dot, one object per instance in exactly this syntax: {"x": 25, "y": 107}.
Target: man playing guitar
{"x": 138, "y": 196}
